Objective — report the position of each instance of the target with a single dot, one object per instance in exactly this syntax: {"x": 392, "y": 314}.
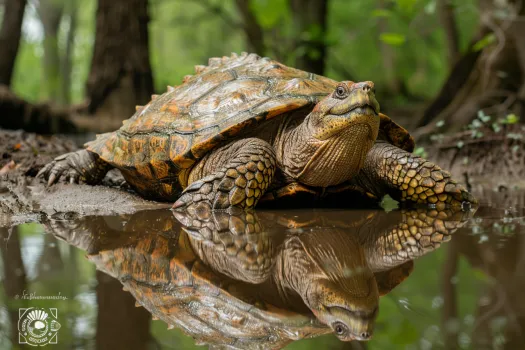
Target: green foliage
{"x": 420, "y": 151}
{"x": 270, "y": 13}
{"x": 28, "y": 81}
{"x": 484, "y": 42}
{"x": 510, "y": 119}
{"x": 388, "y": 203}
{"x": 406, "y": 7}
{"x": 186, "y": 33}
{"x": 393, "y": 39}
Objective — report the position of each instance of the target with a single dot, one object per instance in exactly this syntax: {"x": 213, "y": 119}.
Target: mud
{"x": 24, "y": 198}
{"x": 483, "y": 156}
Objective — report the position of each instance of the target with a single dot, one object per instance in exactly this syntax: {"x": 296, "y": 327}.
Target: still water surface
{"x": 409, "y": 279}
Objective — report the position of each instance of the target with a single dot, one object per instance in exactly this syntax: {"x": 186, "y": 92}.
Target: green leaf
{"x": 430, "y": 8}
{"x": 440, "y": 123}
{"x": 381, "y": 13}
{"x": 388, "y": 203}
{"x": 420, "y": 151}
{"x": 406, "y": 6}
{"x": 476, "y": 124}
{"x": 511, "y": 119}
{"x": 484, "y": 42}
{"x": 483, "y": 117}
{"x": 394, "y": 39}
{"x": 269, "y": 12}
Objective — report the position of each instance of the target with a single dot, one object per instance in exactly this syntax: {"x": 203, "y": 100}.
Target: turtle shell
{"x": 160, "y": 143}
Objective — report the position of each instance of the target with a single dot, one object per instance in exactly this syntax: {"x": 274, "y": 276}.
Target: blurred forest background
{"x": 72, "y": 65}
{"x": 77, "y": 66}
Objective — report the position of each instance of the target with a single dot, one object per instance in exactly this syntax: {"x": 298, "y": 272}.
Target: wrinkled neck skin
{"x": 322, "y": 163}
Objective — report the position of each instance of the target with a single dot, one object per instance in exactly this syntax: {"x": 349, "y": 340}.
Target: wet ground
{"x": 405, "y": 278}
{"x": 447, "y": 279}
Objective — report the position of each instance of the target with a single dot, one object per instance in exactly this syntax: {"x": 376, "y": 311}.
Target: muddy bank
{"x": 25, "y": 198}
{"x": 483, "y": 156}
{"x": 494, "y": 168}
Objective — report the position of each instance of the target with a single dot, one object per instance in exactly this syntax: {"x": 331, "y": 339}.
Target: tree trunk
{"x": 120, "y": 325}
{"x": 309, "y": 19}
{"x": 388, "y": 58}
{"x": 50, "y": 12}
{"x": 10, "y": 35}
{"x": 448, "y": 21}
{"x": 252, "y": 30}
{"x": 14, "y": 279}
{"x": 120, "y": 75}
{"x": 449, "y": 291}
{"x": 41, "y": 118}
{"x": 491, "y": 79}
{"x": 67, "y": 59}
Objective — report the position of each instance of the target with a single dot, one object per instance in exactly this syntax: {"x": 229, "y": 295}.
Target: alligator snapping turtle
{"x": 234, "y": 279}
{"x": 246, "y": 126}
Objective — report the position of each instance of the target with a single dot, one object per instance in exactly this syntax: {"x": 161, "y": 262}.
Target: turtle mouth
{"x": 364, "y": 108}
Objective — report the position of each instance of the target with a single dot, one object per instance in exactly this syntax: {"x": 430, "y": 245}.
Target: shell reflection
{"x": 260, "y": 279}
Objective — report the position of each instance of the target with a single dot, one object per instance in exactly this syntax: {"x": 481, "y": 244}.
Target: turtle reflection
{"x": 260, "y": 280}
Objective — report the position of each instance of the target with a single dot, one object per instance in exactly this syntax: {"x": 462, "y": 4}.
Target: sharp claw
{"x": 42, "y": 171}
{"x": 179, "y": 203}
{"x": 51, "y": 180}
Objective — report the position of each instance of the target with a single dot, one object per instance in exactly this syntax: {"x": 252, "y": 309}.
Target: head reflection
{"x": 262, "y": 278}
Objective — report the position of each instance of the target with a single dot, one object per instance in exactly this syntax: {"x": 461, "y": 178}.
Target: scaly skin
{"x": 329, "y": 266}
{"x": 240, "y": 182}
{"x": 76, "y": 166}
{"x": 407, "y": 177}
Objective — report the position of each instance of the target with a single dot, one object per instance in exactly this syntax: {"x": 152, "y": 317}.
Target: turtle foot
{"x": 75, "y": 167}
{"x": 241, "y": 183}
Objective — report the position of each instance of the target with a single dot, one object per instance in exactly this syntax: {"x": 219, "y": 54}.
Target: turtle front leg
{"x": 410, "y": 178}
{"x": 248, "y": 170}
{"x": 79, "y": 166}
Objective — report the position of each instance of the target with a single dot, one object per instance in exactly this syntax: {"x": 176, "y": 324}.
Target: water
{"x": 273, "y": 279}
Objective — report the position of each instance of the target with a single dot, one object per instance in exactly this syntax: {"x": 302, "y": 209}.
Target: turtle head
{"x": 340, "y": 288}
{"x": 336, "y": 135}
{"x": 350, "y": 106}
{"x": 349, "y": 312}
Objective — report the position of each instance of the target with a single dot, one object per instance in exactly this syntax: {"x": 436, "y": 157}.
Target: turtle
{"x": 257, "y": 280}
{"x": 247, "y": 128}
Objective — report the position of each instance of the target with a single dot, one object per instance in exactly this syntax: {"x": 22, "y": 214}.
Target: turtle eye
{"x": 341, "y": 91}
{"x": 339, "y": 328}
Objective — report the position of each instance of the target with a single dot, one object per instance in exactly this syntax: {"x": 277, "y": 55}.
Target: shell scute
{"x": 229, "y": 97}
{"x": 179, "y": 148}
{"x": 277, "y": 106}
{"x": 301, "y": 86}
{"x": 122, "y": 153}
{"x": 395, "y": 134}
{"x": 204, "y": 140}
